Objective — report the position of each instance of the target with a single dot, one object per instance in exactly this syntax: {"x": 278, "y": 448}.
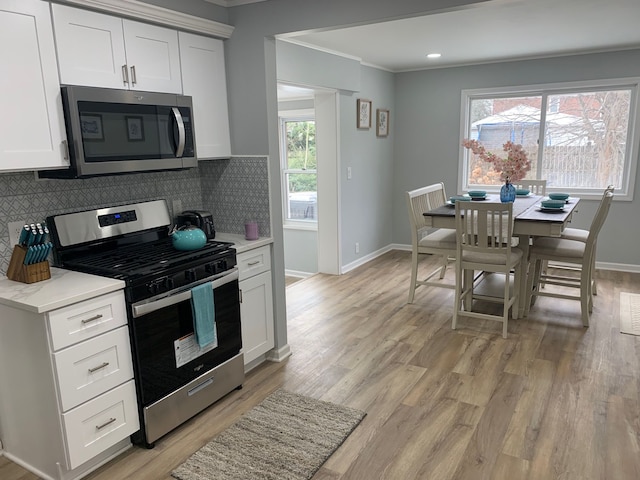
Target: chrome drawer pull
{"x": 92, "y": 319}
{"x": 108, "y": 422}
{"x": 100, "y": 367}
{"x": 255, "y": 262}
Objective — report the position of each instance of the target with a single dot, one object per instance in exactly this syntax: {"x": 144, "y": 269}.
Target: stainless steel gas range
{"x": 175, "y": 377}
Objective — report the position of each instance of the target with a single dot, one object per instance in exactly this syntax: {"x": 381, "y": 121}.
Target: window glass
{"x": 299, "y": 170}
{"x": 578, "y": 139}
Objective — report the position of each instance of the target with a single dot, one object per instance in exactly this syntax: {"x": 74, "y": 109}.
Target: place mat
{"x": 286, "y": 437}
{"x": 630, "y": 313}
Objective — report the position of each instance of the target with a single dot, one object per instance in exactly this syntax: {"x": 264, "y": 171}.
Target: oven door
{"x": 166, "y": 355}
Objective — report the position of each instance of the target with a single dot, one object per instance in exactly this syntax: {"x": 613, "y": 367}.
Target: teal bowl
{"x": 559, "y": 196}
{"x": 552, "y": 203}
{"x": 522, "y": 191}
{"x": 459, "y": 198}
{"x": 477, "y": 193}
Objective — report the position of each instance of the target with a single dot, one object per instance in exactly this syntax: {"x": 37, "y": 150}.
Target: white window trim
{"x": 284, "y": 116}
{"x": 633, "y": 139}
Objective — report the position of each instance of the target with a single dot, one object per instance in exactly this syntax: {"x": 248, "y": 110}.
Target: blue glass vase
{"x": 507, "y": 192}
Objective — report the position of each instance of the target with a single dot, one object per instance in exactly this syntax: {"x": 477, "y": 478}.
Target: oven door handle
{"x": 145, "y": 308}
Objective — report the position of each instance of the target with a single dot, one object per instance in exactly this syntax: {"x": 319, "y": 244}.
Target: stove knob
{"x": 169, "y": 283}
{"x": 153, "y": 288}
{"x": 210, "y": 268}
{"x": 190, "y": 275}
{"x": 222, "y": 265}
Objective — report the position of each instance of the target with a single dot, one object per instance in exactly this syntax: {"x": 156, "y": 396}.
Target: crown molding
{"x": 154, "y": 14}
{"x": 232, "y": 3}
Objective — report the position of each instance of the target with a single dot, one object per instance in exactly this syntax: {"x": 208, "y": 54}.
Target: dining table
{"x": 530, "y": 220}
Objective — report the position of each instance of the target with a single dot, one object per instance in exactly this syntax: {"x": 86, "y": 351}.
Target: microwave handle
{"x": 181, "y": 133}
{"x": 145, "y": 308}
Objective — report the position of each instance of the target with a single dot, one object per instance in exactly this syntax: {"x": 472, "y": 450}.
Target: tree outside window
{"x": 299, "y": 170}
{"x": 576, "y": 139}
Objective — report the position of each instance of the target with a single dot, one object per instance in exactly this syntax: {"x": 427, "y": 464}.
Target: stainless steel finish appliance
{"x": 112, "y": 131}
{"x": 131, "y": 242}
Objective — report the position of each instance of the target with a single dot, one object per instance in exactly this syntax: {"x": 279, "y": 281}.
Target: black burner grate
{"x": 142, "y": 258}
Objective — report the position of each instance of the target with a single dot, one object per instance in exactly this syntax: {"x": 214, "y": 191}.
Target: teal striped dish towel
{"x": 204, "y": 314}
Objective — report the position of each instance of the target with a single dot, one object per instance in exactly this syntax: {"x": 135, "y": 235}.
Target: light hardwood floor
{"x": 552, "y": 401}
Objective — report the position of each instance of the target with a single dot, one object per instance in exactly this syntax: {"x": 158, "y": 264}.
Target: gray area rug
{"x": 286, "y": 437}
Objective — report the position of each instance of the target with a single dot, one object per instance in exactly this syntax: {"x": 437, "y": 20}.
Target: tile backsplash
{"x": 234, "y": 190}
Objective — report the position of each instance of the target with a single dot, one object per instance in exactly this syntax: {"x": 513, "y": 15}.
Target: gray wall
{"x": 301, "y": 251}
{"x": 428, "y": 135}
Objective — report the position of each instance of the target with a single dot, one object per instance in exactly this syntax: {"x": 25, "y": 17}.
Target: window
{"x": 579, "y": 137}
{"x": 299, "y": 177}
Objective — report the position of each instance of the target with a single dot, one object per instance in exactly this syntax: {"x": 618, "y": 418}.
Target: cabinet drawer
{"x": 84, "y": 320}
{"x": 254, "y": 262}
{"x": 95, "y": 426}
{"x": 90, "y": 368}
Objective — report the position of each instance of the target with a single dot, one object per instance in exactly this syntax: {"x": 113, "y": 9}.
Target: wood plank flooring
{"x": 552, "y": 401}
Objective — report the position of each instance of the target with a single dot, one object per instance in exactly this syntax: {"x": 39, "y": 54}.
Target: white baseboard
{"x": 279, "y": 354}
{"x": 616, "y": 267}
{"x": 365, "y": 259}
{"x": 297, "y": 274}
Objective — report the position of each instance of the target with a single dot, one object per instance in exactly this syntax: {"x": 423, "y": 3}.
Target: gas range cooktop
{"x": 144, "y": 259}
{"x": 132, "y": 243}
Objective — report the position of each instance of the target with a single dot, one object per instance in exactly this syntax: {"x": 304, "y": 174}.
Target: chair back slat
{"x": 537, "y": 187}
{"x": 484, "y": 227}
{"x": 422, "y": 200}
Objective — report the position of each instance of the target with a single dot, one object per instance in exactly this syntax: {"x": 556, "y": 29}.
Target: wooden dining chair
{"x": 580, "y": 253}
{"x": 425, "y": 241}
{"x": 536, "y": 187}
{"x": 579, "y": 235}
{"x": 483, "y": 233}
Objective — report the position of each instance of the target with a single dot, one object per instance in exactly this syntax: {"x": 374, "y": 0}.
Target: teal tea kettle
{"x": 188, "y": 237}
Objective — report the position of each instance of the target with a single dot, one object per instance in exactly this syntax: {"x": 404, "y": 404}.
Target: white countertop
{"x": 240, "y": 243}
{"x": 65, "y": 287}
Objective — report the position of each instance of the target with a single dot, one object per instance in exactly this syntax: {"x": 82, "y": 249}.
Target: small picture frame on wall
{"x": 382, "y": 122}
{"x": 364, "y": 114}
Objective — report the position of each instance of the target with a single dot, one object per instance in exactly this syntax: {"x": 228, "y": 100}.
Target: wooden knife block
{"x": 20, "y": 272}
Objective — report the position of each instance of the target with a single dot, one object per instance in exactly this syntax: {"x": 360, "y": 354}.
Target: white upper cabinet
{"x": 103, "y": 51}
{"x": 32, "y": 131}
{"x": 204, "y": 79}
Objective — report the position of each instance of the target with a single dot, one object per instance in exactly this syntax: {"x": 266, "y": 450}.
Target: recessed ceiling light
{"x": 434, "y": 55}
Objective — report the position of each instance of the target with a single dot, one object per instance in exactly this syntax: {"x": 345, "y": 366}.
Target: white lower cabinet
{"x": 256, "y": 309}
{"x": 71, "y": 402}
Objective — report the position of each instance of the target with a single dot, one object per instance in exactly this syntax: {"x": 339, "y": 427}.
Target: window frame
{"x": 626, "y": 190}
{"x": 307, "y": 114}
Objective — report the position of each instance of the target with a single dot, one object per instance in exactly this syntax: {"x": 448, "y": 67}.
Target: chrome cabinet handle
{"x": 65, "y": 148}
{"x": 255, "y": 262}
{"x": 134, "y": 80}
{"x": 108, "y": 422}
{"x": 125, "y": 75}
{"x": 99, "y": 367}
{"x": 92, "y": 319}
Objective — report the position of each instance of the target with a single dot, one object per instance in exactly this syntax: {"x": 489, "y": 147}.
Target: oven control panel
{"x": 117, "y": 218}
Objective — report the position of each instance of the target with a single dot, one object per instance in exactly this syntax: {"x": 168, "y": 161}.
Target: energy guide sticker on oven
{"x": 187, "y": 349}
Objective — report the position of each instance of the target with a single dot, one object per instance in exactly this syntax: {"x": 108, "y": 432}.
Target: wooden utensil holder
{"x": 20, "y": 272}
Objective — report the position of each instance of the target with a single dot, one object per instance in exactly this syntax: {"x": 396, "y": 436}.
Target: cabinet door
{"x": 32, "y": 126}
{"x": 153, "y": 57}
{"x": 204, "y": 79}
{"x": 256, "y": 313}
{"x": 90, "y": 48}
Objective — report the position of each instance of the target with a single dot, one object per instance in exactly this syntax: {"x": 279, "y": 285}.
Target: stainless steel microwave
{"x": 112, "y": 131}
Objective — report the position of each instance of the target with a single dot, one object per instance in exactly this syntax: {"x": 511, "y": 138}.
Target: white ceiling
{"x": 489, "y": 32}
